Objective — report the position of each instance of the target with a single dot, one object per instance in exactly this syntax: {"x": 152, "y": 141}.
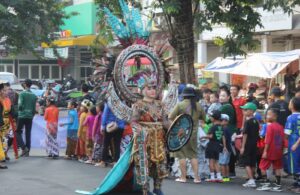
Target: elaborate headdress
{"x": 144, "y": 78}
{"x": 133, "y": 31}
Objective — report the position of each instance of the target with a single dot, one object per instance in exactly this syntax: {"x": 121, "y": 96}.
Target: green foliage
{"x": 25, "y": 24}
{"x": 238, "y": 15}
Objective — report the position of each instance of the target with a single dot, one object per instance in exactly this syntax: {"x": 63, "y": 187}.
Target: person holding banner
{"x": 51, "y": 117}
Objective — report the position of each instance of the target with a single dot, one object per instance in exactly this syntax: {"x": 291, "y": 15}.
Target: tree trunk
{"x": 184, "y": 42}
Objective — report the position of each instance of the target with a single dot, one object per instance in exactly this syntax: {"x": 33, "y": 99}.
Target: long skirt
{"x": 98, "y": 149}
{"x": 71, "y": 142}
{"x": 80, "y": 148}
{"x": 51, "y": 140}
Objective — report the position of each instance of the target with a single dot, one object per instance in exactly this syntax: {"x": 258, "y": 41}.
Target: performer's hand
{"x": 225, "y": 150}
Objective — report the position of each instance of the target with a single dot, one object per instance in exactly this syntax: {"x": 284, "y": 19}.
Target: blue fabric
{"x": 73, "y": 120}
{"x": 108, "y": 117}
{"x": 263, "y": 131}
{"x": 292, "y": 129}
{"x": 115, "y": 175}
{"x": 258, "y": 117}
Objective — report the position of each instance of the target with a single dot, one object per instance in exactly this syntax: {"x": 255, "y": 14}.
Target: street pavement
{"x": 37, "y": 175}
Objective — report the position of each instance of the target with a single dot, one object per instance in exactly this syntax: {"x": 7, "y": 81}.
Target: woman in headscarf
{"x": 189, "y": 106}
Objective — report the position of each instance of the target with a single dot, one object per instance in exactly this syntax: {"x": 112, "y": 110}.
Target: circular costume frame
{"x": 125, "y": 55}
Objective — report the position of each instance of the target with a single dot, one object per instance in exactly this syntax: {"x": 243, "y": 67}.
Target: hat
{"x": 276, "y": 91}
{"x": 249, "y": 106}
{"x": 28, "y": 82}
{"x": 188, "y": 92}
{"x": 225, "y": 117}
{"x": 216, "y": 114}
{"x": 87, "y": 103}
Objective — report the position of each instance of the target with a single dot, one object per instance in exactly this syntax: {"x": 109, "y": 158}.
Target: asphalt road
{"x": 40, "y": 176}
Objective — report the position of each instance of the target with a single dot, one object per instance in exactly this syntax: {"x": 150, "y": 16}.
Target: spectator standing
{"x": 273, "y": 152}
{"x": 205, "y": 102}
{"x": 81, "y": 145}
{"x": 293, "y": 133}
{"x": 26, "y": 112}
{"x": 280, "y": 105}
{"x": 51, "y": 117}
{"x": 228, "y": 109}
{"x": 189, "y": 106}
{"x": 215, "y": 104}
{"x": 237, "y": 103}
{"x": 113, "y": 130}
{"x": 98, "y": 136}
{"x": 249, "y": 148}
{"x": 89, "y": 144}
{"x": 73, "y": 124}
{"x": 224, "y": 157}
{"x": 214, "y": 146}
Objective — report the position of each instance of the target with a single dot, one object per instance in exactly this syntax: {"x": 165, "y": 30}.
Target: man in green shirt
{"x": 26, "y": 105}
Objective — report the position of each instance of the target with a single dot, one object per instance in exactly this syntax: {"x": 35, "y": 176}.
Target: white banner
{"x": 62, "y": 52}
{"x": 38, "y": 132}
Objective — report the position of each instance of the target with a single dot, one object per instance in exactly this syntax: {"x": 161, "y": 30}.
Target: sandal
{"x": 197, "y": 181}
{"x": 180, "y": 180}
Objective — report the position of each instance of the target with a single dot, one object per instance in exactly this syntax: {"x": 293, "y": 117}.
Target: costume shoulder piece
{"x": 120, "y": 109}
{"x": 171, "y": 99}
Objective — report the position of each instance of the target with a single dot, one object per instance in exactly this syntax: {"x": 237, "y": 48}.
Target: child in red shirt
{"x": 273, "y": 151}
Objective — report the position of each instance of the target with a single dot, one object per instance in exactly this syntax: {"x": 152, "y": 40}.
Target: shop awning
{"x": 75, "y": 41}
{"x": 264, "y": 65}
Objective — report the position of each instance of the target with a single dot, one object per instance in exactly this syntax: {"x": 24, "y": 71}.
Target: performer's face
{"x": 150, "y": 92}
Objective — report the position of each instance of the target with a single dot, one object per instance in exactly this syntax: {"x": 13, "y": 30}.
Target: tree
{"x": 25, "y": 24}
{"x": 186, "y": 17}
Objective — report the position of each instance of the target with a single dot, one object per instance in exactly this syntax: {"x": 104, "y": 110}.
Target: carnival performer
{"x": 2, "y": 131}
{"x": 149, "y": 150}
{"x": 51, "y": 117}
{"x": 189, "y": 151}
{"x": 8, "y": 115}
{"x": 73, "y": 123}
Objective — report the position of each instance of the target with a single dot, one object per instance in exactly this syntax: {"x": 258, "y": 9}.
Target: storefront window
{"x": 2, "y": 68}
{"x": 46, "y": 72}
{"x": 9, "y": 69}
{"x": 35, "y": 72}
{"x": 24, "y": 72}
{"x": 55, "y": 72}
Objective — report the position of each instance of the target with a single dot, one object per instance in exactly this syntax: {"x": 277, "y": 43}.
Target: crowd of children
{"x": 261, "y": 145}
{"x": 85, "y": 137}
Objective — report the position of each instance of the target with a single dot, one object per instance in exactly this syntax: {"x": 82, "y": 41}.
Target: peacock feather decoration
{"x": 131, "y": 29}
